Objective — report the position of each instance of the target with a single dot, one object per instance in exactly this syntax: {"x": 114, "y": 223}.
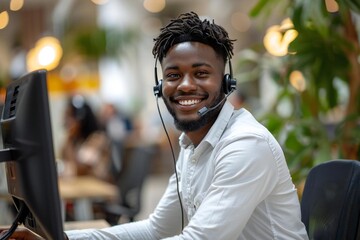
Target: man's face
{"x": 192, "y": 78}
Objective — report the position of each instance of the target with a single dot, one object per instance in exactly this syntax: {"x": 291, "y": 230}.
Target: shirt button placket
{"x": 191, "y": 176}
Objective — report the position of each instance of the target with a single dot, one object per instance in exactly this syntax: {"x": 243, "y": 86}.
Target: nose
{"x": 187, "y": 84}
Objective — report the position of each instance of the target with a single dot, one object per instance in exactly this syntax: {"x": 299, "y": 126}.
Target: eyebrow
{"x": 171, "y": 68}
{"x": 201, "y": 64}
{"x": 194, "y": 66}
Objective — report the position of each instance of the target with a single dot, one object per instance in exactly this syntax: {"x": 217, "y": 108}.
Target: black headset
{"x": 228, "y": 84}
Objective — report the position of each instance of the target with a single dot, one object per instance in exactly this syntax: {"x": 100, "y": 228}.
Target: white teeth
{"x": 189, "y": 102}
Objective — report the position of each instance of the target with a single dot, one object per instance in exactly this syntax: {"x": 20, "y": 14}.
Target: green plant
{"x": 325, "y": 122}
{"x": 95, "y": 42}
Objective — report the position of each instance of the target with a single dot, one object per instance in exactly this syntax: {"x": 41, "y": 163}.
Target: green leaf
{"x": 354, "y": 5}
{"x": 255, "y": 11}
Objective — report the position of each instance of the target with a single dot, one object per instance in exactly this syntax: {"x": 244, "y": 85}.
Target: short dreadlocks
{"x": 189, "y": 27}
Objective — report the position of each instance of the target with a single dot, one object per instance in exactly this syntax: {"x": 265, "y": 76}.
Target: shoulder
{"x": 244, "y": 127}
{"x": 247, "y": 143}
{"x": 242, "y": 121}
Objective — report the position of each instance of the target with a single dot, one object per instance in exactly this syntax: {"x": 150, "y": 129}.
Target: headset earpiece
{"x": 158, "y": 84}
{"x": 229, "y": 83}
{"x": 158, "y": 89}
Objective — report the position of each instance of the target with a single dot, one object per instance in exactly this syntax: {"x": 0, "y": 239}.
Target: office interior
{"x": 101, "y": 50}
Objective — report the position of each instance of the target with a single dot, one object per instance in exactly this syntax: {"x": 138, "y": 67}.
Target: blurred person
{"x": 231, "y": 179}
{"x": 118, "y": 127}
{"x": 86, "y": 149}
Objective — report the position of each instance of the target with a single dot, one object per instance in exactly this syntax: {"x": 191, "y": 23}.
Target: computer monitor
{"x": 29, "y": 155}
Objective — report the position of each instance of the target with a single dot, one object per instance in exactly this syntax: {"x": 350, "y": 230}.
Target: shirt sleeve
{"x": 129, "y": 231}
{"x": 245, "y": 174}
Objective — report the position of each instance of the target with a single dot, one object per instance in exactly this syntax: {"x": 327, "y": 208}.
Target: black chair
{"x": 130, "y": 183}
{"x": 330, "y": 204}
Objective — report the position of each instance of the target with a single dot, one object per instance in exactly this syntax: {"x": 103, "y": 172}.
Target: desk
{"x": 82, "y": 190}
{"x": 100, "y": 223}
{"x": 86, "y": 187}
{"x": 97, "y": 224}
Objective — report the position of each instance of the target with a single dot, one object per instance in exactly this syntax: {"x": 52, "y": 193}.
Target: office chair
{"x": 330, "y": 204}
{"x": 130, "y": 184}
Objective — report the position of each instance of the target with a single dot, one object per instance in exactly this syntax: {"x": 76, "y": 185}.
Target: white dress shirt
{"x": 234, "y": 185}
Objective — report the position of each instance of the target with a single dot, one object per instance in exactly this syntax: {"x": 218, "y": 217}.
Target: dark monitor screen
{"x": 29, "y": 155}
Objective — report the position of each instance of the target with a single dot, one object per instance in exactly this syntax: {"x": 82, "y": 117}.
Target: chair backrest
{"x": 330, "y": 204}
{"x": 131, "y": 181}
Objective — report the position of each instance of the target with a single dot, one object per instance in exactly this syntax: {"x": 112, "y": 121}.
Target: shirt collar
{"x": 217, "y": 129}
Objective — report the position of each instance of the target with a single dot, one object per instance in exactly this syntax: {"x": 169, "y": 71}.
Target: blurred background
{"x": 297, "y": 64}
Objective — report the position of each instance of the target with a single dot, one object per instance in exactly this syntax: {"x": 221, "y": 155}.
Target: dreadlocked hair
{"x": 189, "y": 27}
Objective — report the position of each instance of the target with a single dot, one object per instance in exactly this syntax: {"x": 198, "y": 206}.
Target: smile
{"x": 189, "y": 102}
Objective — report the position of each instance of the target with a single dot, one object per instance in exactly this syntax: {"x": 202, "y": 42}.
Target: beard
{"x": 193, "y": 125}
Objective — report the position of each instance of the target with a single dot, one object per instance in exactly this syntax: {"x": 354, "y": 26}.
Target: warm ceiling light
{"x": 154, "y": 6}
{"x": 278, "y": 38}
{"x": 297, "y": 80}
{"x": 46, "y": 54}
{"x": 4, "y": 19}
{"x": 16, "y": 5}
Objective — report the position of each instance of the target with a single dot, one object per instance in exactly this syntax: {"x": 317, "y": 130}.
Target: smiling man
{"x": 231, "y": 180}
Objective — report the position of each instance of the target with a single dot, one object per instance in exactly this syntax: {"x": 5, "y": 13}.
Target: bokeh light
{"x": 46, "y": 54}
{"x": 4, "y": 19}
{"x": 154, "y": 6}
{"x": 16, "y": 5}
{"x": 278, "y": 38}
{"x": 297, "y": 80}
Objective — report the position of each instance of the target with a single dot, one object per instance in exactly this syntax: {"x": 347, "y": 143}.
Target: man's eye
{"x": 172, "y": 76}
{"x": 202, "y": 73}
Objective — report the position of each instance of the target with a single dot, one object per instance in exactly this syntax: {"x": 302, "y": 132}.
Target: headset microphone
{"x": 205, "y": 110}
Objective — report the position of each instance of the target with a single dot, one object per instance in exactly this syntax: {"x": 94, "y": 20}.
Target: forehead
{"x": 191, "y": 51}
